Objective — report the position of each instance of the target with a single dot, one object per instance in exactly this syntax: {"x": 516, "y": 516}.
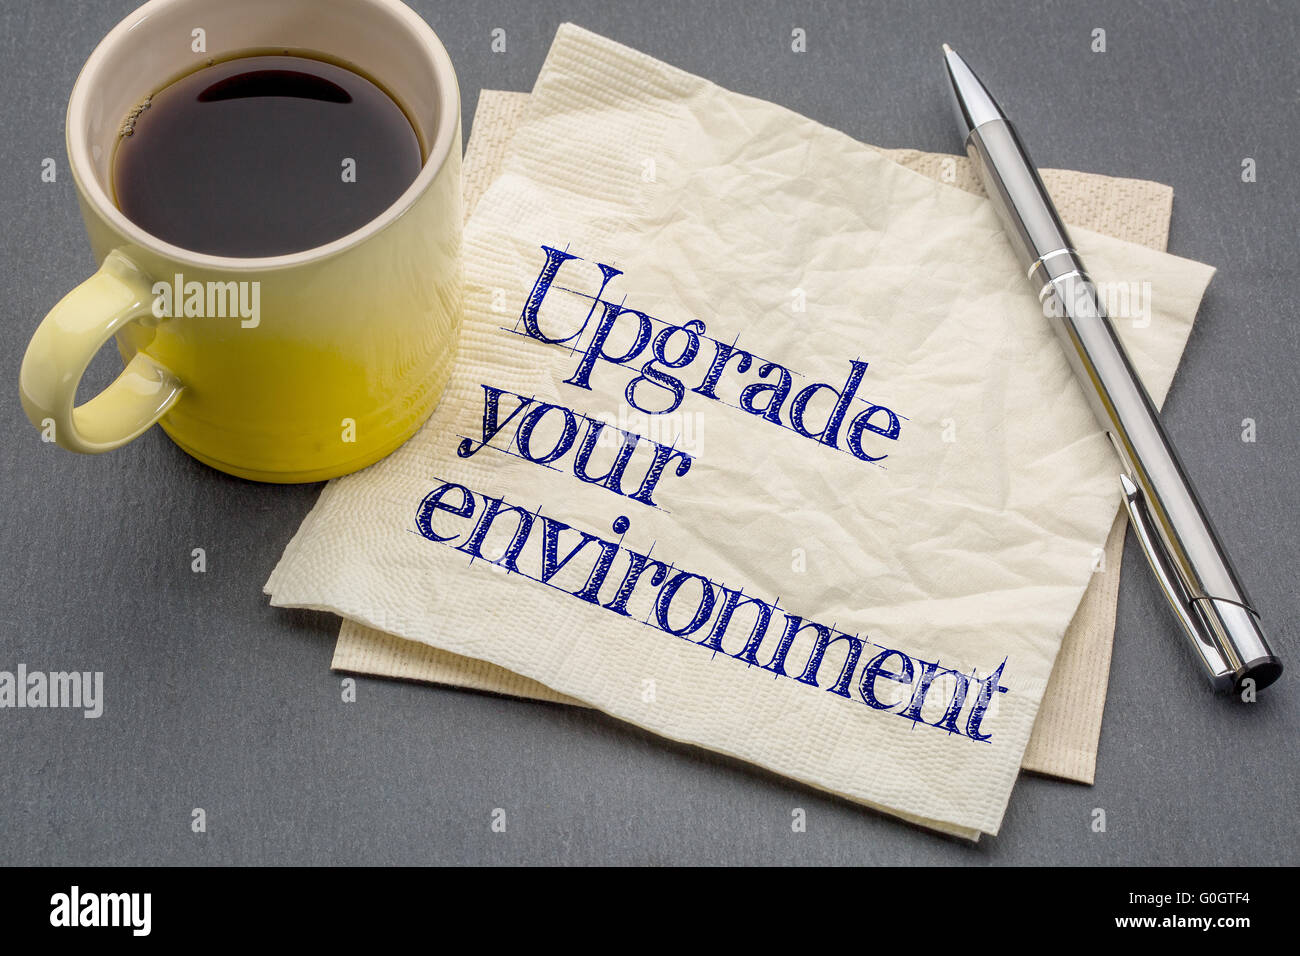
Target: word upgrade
{"x": 620, "y": 336}
{"x": 609, "y": 575}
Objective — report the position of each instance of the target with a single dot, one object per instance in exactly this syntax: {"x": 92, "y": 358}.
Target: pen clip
{"x": 1206, "y": 646}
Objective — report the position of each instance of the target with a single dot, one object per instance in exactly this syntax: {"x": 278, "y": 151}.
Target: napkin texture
{"x": 1067, "y": 730}
{"x": 917, "y": 601}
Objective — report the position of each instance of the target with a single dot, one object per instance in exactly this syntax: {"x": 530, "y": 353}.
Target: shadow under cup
{"x": 354, "y": 339}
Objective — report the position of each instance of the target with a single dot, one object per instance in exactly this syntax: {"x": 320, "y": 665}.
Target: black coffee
{"x": 262, "y": 156}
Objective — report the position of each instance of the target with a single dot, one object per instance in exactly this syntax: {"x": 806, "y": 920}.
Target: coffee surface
{"x": 264, "y": 156}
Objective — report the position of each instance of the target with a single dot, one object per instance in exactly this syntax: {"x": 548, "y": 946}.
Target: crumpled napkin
{"x": 915, "y": 601}
{"x": 1067, "y": 730}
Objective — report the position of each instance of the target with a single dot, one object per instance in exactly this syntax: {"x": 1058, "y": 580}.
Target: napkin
{"x": 853, "y": 495}
{"x": 1066, "y": 732}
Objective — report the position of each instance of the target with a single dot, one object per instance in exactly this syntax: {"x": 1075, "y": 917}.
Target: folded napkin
{"x": 756, "y": 439}
{"x": 1068, "y": 727}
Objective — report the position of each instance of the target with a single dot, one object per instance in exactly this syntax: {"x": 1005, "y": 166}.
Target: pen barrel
{"x": 1125, "y": 410}
{"x": 1191, "y": 563}
{"x": 1016, "y": 190}
{"x": 1186, "y": 554}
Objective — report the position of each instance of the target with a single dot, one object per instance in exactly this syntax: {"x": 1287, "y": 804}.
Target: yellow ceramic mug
{"x": 351, "y": 342}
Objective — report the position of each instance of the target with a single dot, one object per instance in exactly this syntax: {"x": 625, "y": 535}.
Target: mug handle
{"x": 65, "y": 342}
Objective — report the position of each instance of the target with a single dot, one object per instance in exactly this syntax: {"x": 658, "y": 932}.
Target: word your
{"x": 77, "y": 690}
{"x": 209, "y": 300}
{"x": 545, "y": 433}
{"x": 75, "y": 908}
{"x": 700, "y": 611}
{"x": 621, "y": 336}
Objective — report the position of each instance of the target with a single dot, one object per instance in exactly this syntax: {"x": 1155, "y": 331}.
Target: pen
{"x": 1185, "y": 554}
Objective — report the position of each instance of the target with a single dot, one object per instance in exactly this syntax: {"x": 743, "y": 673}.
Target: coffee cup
{"x": 293, "y": 367}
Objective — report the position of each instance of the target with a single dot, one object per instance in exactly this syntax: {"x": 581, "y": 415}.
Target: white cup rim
{"x": 82, "y": 164}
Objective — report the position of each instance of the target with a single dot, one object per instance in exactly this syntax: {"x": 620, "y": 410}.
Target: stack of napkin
{"x": 852, "y": 559}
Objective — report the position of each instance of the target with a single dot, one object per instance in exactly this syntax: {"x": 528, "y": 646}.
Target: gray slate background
{"x": 216, "y": 700}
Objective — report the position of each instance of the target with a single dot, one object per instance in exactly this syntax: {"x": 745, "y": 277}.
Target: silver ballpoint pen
{"x": 1180, "y": 543}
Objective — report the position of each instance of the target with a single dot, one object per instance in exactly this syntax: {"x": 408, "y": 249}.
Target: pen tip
{"x": 947, "y": 48}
